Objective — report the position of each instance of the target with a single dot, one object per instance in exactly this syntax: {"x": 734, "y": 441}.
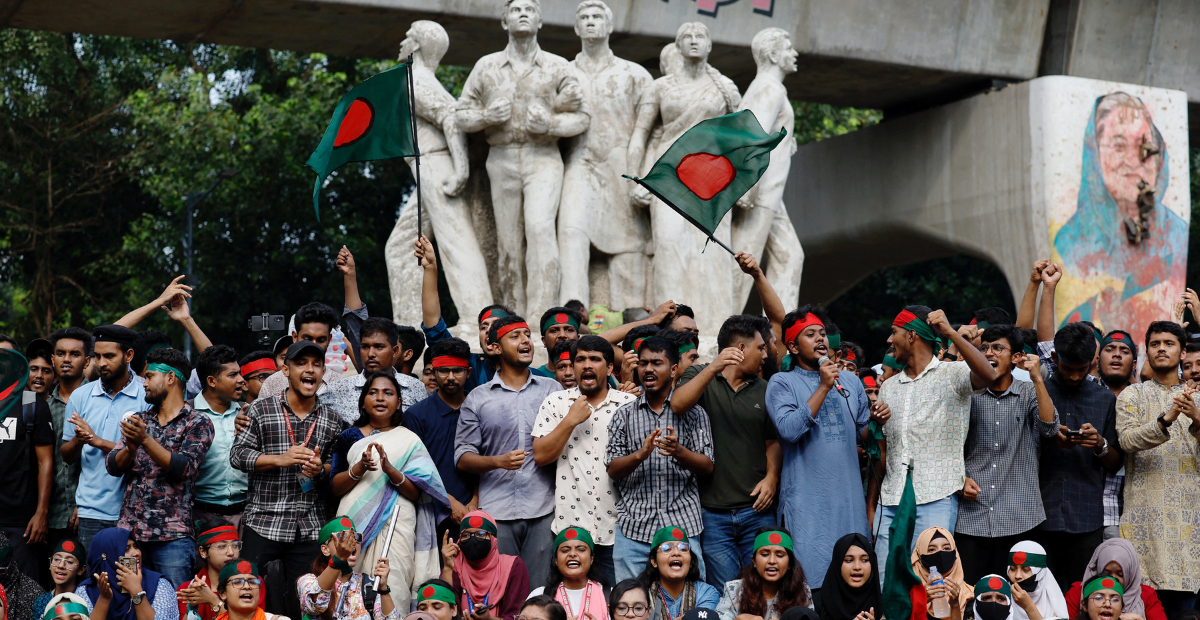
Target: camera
{"x": 266, "y": 323}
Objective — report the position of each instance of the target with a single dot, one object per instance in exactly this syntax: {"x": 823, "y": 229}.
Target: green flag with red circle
{"x": 372, "y": 121}
{"x": 711, "y": 166}
{"x": 14, "y": 374}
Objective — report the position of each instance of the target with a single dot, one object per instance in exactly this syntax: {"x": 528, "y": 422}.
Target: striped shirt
{"x": 660, "y": 491}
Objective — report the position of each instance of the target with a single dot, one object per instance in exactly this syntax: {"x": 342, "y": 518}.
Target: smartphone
{"x": 130, "y": 564}
{"x": 1071, "y": 433}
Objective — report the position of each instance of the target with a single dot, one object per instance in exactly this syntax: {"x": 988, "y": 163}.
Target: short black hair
{"x": 316, "y": 312}
{"x": 501, "y": 322}
{"x": 576, "y": 306}
{"x": 255, "y": 356}
{"x": 921, "y": 312}
{"x": 1192, "y": 346}
{"x": 9, "y": 340}
{"x": 141, "y": 346}
{"x": 380, "y": 325}
{"x": 411, "y": 339}
{"x": 658, "y": 344}
{"x": 554, "y": 609}
{"x": 1075, "y": 343}
{"x": 456, "y": 347}
{"x": 173, "y": 358}
{"x": 1030, "y": 338}
{"x": 560, "y": 347}
{"x": 680, "y": 339}
{"x": 592, "y": 343}
{"x": 210, "y": 361}
{"x": 1008, "y": 332}
{"x": 799, "y": 313}
{"x": 641, "y": 331}
{"x": 993, "y": 316}
{"x": 1167, "y": 327}
{"x": 619, "y": 591}
{"x": 1133, "y": 348}
{"x": 501, "y": 307}
{"x": 737, "y": 326}
{"x": 73, "y": 333}
{"x": 680, "y": 310}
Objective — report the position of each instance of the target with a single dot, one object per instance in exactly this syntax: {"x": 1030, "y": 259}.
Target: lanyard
{"x": 566, "y": 600}
{"x": 287, "y": 417}
{"x": 471, "y": 604}
{"x": 666, "y": 607}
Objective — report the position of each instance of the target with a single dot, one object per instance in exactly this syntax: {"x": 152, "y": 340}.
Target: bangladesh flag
{"x": 14, "y": 373}
{"x": 711, "y": 166}
{"x": 903, "y": 590}
{"x": 372, "y": 121}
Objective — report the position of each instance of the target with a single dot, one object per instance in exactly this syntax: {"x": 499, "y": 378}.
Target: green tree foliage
{"x": 818, "y": 121}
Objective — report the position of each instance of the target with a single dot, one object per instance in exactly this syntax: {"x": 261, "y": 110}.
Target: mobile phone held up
{"x": 130, "y": 564}
{"x": 1071, "y": 433}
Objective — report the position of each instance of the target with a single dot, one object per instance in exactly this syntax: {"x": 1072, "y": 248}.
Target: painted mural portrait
{"x": 1123, "y": 251}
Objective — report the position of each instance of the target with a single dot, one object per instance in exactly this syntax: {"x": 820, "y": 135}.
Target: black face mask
{"x": 1029, "y": 584}
{"x": 991, "y": 610}
{"x": 943, "y": 560}
{"x": 475, "y": 549}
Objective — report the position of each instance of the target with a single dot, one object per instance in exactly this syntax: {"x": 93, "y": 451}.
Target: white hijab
{"x": 1048, "y": 597}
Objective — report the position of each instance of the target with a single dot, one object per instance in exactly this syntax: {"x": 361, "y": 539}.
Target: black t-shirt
{"x": 18, "y": 463}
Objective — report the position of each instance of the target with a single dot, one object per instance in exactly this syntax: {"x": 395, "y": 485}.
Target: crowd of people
{"x": 622, "y": 480}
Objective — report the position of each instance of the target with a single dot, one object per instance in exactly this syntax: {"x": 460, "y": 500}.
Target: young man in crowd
{"x": 380, "y": 344}
{"x": 72, "y": 355}
{"x": 435, "y": 422}
{"x": 494, "y": 441}
{"x": 41, "y": 370}
{"x": 818, "y": 433}
{"x": 870, "y": 383}
{"x": 412, "y": 344}
{"x": 314, "y": 323}
{"x": 220, "y": 491}
{"x": 739, "y": 497}
{"x": 427, "y": 371}
{"x": 160, "y": 452}
{"x": 1118, "y": 354}
{"x": 852, "y": 357}
{"x": 931, "y": 405}
{"x": 683, "y": 319}
{"x": 93, "y": 427}
{"x": 656, "y": 457}
{"x": 558, "y": 325}
{"x": 255, "y": 369}
{"x": 1190, "y": 366}
{"x": 1072, "y": 467}
{"x": 1001, "y": 502}
{"x": 1158, "y": 422}
{"x": 562, "y": 365}
{"x": 26, "y": 446}
{"x": 572, "y": 432}
{"x": 688, "y": 344}
{"x": 286, "y": 451}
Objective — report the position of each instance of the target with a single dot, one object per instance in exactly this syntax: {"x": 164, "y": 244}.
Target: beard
{"x": 111, "y": 382}
{"x": 155, "y": 398}
{"x": 770, "y": 366}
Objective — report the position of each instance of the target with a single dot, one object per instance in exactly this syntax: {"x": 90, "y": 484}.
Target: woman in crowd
{"x": 672, "y": 576}
{"x": 1029, "y": 576}
{"x": 378, "y": 466}
{"x": 935, "y": 547}
{"x": 436, "y": 598}
{"x": 217, "y": 544}
{"x": 1103, "y": 599}
{"x": 65, "y": 606}
{"x": 240, "y": 586}
{"x": 628, "y": 600}
{"x": 997, "y": 599}
{"x": 543, "y": 607}
{"x": 772, "y": 583}
{"x": 68, "y": 566}
{"x": 1117, "y": 558}
{"x": 114, "y": 592}
{"x": 21, "y": 590}
{"x": 851, "y": 589}
{"x": 487, "y": 579}
{"x": 570, "y": 580}
{"x": 334, "y": 590}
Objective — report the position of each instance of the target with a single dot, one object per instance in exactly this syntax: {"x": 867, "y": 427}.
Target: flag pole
{"x": 682, "y": 214}
{"x": 412, "y": 118}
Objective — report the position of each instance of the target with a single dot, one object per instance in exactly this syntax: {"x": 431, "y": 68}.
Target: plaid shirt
{"x": 1002, "y": 457}
{"x": 1113, "y": 483}
{"x": 1072, "y": 479}
{"x": 660, "y": 492}
{"x": 158, "y": 501}
{"x": 276, "y": 506}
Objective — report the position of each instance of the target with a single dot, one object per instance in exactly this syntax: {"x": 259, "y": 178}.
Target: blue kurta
{"x": 820, "y": 465}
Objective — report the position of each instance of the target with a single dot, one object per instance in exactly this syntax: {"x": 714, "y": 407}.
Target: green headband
{"x": 686, "y": 347}
{"x": 891, "y": 362}
{"x": 1029, "y": 350}
{"x": 774, "y": 537}
{"x": 835, "y": 340}
{"x": 479, "y": 522}
{"x": 993, "y": 583}
{"x": 66, "y": 608}
{"x": 339, "y": 524}
{"x": 924, "y": 332}
{"x": 1118, "y": 337}
{"x": 1021, "y": 558}
{"x": 163, "y": 368}
{"x": 434, "y": 592}
{"x": 1102, "y": 582}
{"x": 669, "y": 534}
{"x": 574, "y": 533}
{"x": 560, "y": 318}
{"x": 240, "y": 567}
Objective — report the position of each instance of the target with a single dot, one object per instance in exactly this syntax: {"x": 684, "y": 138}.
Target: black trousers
{"x": 983, "y": 556}
{"x": 1068, "y": 554}
{"x": 295, "y": 558}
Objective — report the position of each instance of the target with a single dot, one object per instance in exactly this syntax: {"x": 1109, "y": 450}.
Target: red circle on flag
{"x": 1118, "y": 336}
{"x": 486, "y": 315}
{"x": 244, "y": 567}
{"x": 427, "y": 592}
{"x": 355, "y": 124}
{"x": 68, "y": 546}
{"x": 572, "y": 534}
{"x": 346, "y": 522}
{"x": 60, "y": 610}
{"x": 1108, "y": 583}
{"x": 775, "y": 538}
{"x": 561, "y": 319}
{"x": 677, "y": 534}
{"x": 705, "y": 174}
{"x": 476, "y": 521}
{"x": 995, "y": 583}
{"x": 1019, "y": 558}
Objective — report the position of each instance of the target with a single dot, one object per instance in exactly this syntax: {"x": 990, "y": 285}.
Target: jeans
{"x": 630, "y": 556}
{"x": 603, "y": 567}
{"x": 729, "y": 541}
{"x": 297, "y": 558}
{"x": 533, "y": 541}
{"x": 175, "y": 559}
{"x": 942, "y": 513}
{"x": 88, "y": 528}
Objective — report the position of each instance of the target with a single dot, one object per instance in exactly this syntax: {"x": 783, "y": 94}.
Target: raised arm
{"x": 1046, "y": 319}
{"x": 431, "y": 304}
{"x": 134, "y": 317}
{"x": 1026, "y": 313}
{"x": 691, "y": 386}
{"x": 178, "y": 310}
{"x": 772, "y": 305}
{"x": 982, "y": 373}
{"x": 615, "y": 335}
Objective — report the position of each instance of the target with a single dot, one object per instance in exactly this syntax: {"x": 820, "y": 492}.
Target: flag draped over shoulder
{"x": 899, "y": 581}
{"x": 14, "y": 373}
{"x": 711, "y": 166}
{"x": 372, "y": 121}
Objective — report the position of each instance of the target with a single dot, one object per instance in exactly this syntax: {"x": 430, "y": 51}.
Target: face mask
{"x": 991, "y": 611}
{"x": 1029, "y": 584}
{"x": 943, "y": 560}
{"x": 475, "y": 549}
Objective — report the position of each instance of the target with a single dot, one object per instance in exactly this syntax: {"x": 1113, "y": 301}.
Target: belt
{"x": 224, "y": 511}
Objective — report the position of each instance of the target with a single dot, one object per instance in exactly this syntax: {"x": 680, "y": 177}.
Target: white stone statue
{"x": 596, "y": 210}
{"x": 763, "y": 228}
{"x": 444, "y": 170}
{"x": 524, "y": 99}
{"x": 681, "y": 271}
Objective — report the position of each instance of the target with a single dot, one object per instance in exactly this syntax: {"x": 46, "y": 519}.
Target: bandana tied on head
{"x": 870, "y": 382}
{"x": 434, "y": 592}
{"x": 218, "y": 534}
{"x": 63, "y": 609}
{"x": 166, "y": 370}
{"x": 1103, "y": 582}
{"x": 480, "y": 520}
{"x": 993, "y": 610}
{"x": 483, "y": 580}
{"x": 266, "y": 363}
{"x": 669, "y": 534}
{"x": 1046, "y": 594}
{"x": 993, "y": 583}
{"x": 562, "y": 318}
{"x": 574, "y": 533}
{"x": 500, "y": 333}
{"x": 449, "y": 361}
{"x": 774, "y": 537}
{"x": 72, "y": 547}
{"x": 241, "y": 567}
{"x": 834, "y": 340}
{"x": 494, "y": 313}
{"x": 1119, "y": 337}
{"x": 687, "y": 346}
{"x": 800, "y": 325}
{"x": 908, "y": 320}
{"x": 339, "y": 524}
{"x": 891, "y": 362}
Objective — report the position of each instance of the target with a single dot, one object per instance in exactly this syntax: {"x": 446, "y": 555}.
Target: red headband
{"x": 450, "y": 361}
{"x": 798, "y": 327}
{"x": 870, "y": 382}
{"x": 904, "y": 318}
{"x": 217, "y": 534}
{"x": 850, "y": 357}
{"x": 566, "y": 355}
{"x": 508, "y": 328}
{"x": 266, "y": 363}
{"x": 637, "y": 344}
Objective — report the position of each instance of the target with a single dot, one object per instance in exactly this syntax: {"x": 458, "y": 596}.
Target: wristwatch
{"x": 1165, "y": 424}
{"x": 1103, "y": 453}
{"x": 136, "y": 599}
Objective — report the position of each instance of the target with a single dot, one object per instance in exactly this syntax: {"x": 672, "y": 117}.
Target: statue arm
{"x": 471, "y": 115}
{"x": 573, "y": 119}
{"x": 646, "y": 113}
{"x": 456, "y": 142}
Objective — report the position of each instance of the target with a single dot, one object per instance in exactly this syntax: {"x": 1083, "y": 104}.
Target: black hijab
{"x": 837, "y": 600}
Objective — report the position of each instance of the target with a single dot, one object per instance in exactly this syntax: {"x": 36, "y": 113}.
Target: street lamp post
{"x": 193, "y": 200}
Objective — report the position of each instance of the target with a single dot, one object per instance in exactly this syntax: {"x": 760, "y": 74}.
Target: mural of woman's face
{"x": 1121, "y": 135}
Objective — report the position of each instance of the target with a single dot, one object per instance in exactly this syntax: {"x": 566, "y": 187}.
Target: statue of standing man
{"x": 596, "y": 208}
{"x": 764, "y": 228}
{"x": 524, "y": 100}
{"x": 444, "y": 172}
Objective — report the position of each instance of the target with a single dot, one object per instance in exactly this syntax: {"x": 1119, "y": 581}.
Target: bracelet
{"x": 350, "y": 471}
{"x": 340, "y": 565}
{"x": 387, "y": 591}
{"x": 403, "y": 479}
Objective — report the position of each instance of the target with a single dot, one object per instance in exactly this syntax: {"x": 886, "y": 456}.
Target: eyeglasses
{"x": 636, "y": 611}
{"x": 64, "y": 562}
{"x": 668, "y": 546}
{"x": 226, "y": 545}
{"x": 479, "y": 535}
{"x": 1100, "y": 598}
{"x": 244, "y": 582}
{"x": 985, "y": 347}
